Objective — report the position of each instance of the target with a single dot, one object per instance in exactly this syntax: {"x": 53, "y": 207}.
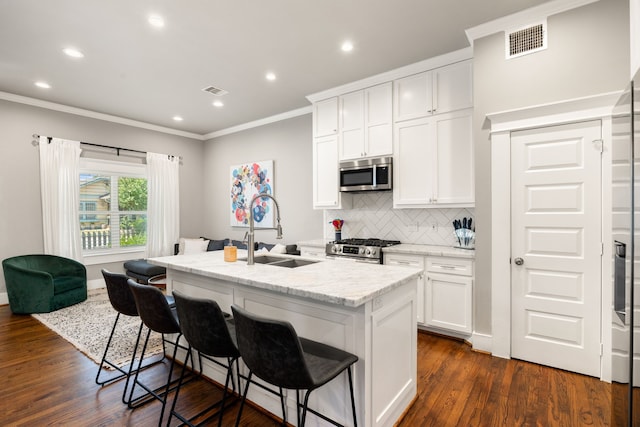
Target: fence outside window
{"x": 101, "y": 239}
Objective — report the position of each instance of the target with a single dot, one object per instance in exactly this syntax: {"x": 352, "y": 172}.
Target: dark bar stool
{"x": 272, "y": 351}
{"x": 123, "y": 303}
{"x": 208, "y": 331}
{"x": 156, "y": 313}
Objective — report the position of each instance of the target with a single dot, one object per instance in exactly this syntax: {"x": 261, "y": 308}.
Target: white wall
{"x": 20, "y": 209}
{"x": 587, "y": 54}
{"x": 288, "y": 144}
{"x": 634, "y": 20}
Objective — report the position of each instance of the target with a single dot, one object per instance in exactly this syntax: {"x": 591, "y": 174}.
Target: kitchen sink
{"x": 280, "y": 262}
{"x": 292, "y": 263}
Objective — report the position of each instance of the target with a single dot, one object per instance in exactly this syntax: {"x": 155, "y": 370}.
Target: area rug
{"x": 87, "y": 326}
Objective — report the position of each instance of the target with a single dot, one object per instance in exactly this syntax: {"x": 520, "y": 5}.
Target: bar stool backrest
{"x": 119, "y": 293}
{"x": 272, "y": 350}
{"x": 154, "y": 309}
{"x": 204, "y": 326}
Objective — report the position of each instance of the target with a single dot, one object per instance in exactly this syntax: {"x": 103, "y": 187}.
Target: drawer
{"x": 404, "y": 260}
{"x": 450, "y": 265}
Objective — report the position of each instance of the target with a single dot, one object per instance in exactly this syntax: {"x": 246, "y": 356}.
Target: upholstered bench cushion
{"x": 142, "y": 270}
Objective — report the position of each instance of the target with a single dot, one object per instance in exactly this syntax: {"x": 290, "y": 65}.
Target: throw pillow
{"x": 278, "y": 249}
{"x": 216, "y": 245}
{"x": 192, "y": 246}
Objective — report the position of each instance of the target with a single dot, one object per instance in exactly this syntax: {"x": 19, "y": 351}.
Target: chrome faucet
{"x": 250, "y": 236}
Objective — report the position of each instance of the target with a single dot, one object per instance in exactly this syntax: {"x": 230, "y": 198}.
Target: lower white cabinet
{"x": 449, "y": 294}
{"x": 445, "y": 291}
{"x": 411, "y": 261}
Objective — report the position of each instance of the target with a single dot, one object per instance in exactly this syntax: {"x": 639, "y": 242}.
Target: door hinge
{"x": 601, "y": 248}
{"x": 601, "y": 349}
{"x": 599, "y": 144}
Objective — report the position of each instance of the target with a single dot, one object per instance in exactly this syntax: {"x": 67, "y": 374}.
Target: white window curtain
{"x": 163, "y": 204}
{"x": 60, "y": 194}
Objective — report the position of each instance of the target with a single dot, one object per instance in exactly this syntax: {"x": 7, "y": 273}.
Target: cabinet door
{"x": 448, "y": 302}
{"x": 379, "y": 120}
{"x": 413, "y": 163}
{"x": 352, "y": 125}
{"x": 454, "y": 183}
{"x": 325, "y": 172}
{"x": 416, "y": 261}
{"x": 413, "y": 96}
{"x": 452, "y": 87}
{"x": 325, "y": 117}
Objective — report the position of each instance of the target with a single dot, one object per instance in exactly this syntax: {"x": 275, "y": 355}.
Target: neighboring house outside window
{"x": 113, "y": 210}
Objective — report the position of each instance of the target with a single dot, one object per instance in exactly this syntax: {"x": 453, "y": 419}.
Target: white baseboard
{"x": 482, "y": 342}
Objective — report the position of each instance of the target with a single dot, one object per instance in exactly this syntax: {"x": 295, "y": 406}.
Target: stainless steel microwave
{"x": 373, "y": 174}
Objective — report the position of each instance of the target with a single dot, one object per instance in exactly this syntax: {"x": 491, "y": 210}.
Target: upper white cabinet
{"x": 436, "y": 91}
{"x": 433, "y": 161}
{"x": 366, "y": 124}
{"x": 325, "y": 117}
{"x": 325, "y": 172}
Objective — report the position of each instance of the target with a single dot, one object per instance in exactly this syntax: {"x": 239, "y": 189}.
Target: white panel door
{"x": 352, "y": 125}
{"x": 556, "y": 246}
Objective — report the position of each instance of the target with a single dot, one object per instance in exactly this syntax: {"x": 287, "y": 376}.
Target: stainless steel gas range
{"x": 361, "y": 250}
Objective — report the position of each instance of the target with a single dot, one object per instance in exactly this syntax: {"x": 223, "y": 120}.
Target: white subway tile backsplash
{"x": 373, "y": 216}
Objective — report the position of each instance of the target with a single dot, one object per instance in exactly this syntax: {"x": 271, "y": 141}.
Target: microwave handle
{"x": 375, "y": 177}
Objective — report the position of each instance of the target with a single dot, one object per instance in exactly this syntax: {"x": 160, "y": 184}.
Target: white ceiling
{"x": 135, "y": 71}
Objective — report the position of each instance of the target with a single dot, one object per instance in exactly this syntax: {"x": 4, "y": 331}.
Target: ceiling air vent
{"x": 526, "y": 40}
{"x": 215, "y": 91}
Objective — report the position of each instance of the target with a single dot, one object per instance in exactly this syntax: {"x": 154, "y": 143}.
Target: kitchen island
{"x": 366, "y": 309}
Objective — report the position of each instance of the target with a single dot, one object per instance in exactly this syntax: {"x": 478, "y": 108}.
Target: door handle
{"x": 519, "y": 261}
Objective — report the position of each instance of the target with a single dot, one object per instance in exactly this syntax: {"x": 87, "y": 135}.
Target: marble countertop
{"x": 341, "y": 282}
{"x": 430, "y": 250}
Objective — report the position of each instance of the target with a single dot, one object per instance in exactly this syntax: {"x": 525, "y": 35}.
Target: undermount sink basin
{"x": 280, "y": 262}
{"x": 293, "y": 263}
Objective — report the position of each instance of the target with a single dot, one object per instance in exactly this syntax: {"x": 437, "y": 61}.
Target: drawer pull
{"x": 448, "y": 267}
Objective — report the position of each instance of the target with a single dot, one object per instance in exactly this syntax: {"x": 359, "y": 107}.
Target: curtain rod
{"x": 36, "y": 142}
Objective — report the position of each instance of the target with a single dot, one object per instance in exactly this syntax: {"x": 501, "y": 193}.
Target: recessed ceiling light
{"x": 156, "y": 21}
{"x": 270, "y": 76}
{"x": 73, "y": 52}
{"x": 177, "y": 118}
{"x": 218, "y": 104}
{"x": 347, "y": 46}
{"x": 43, "y": 85}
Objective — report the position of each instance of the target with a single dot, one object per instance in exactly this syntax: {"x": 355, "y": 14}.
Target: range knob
{"x": 334, "y": 249}
{"x": 368, "y": 251}
{"x": 373, "y": 251}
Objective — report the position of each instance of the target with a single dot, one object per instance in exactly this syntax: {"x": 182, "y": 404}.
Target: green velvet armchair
{"x": 43, "y": 283}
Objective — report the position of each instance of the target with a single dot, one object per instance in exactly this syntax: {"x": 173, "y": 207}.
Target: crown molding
{"x": 519, "y": 19}
{"x": 397, "y": 73}
{"x": 260, "y": 122}
{"x": 95, "y": 115}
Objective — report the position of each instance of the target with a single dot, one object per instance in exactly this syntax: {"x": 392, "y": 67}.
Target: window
{"x": 113, "y": 207}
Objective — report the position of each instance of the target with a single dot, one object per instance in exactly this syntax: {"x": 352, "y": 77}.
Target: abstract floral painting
{"x": 247, "y": 180}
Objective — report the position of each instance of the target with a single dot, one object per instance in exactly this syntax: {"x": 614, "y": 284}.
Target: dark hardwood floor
{"x": 46, "y": 381}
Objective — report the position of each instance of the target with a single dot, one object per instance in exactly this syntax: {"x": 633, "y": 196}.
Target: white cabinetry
{"x": 445, "y": 291}
{"x": 449, "y": 294}
{"x": 437, "y": 91}
{"x": 325, "y": 117}
{"x": 366, "y": 122}
{"x": 434, "y": 161}
{"x": 326, "y": 192}
{"x": 312, "y": 251}
{"x": 416, "y": 261}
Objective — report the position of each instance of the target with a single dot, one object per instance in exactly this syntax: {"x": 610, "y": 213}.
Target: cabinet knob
{"x": 519, "y": 261}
